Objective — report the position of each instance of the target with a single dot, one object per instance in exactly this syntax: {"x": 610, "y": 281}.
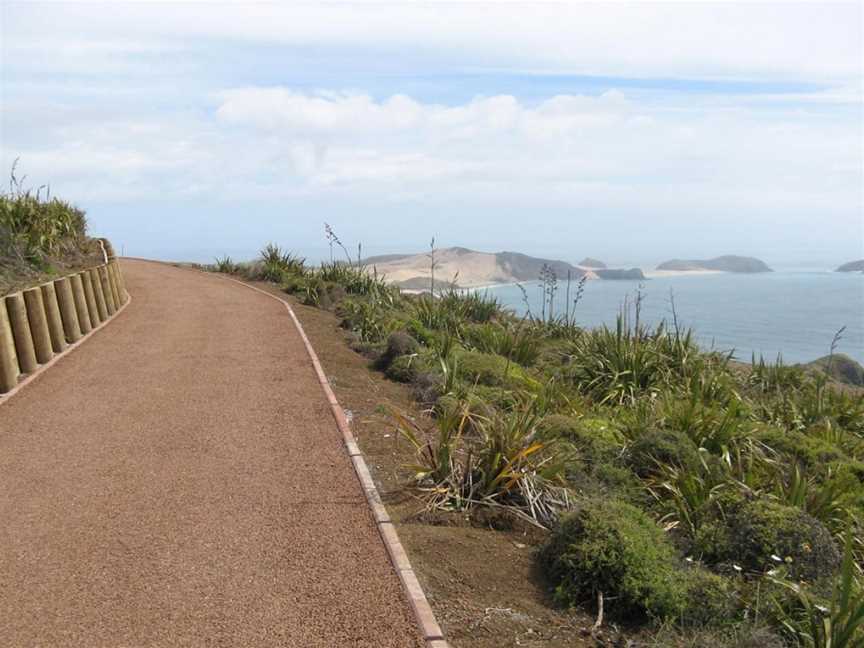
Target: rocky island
{"x": 588, "y": 262}
{"x": 599, "y": 270}
{"x": 727, "y": 263}
{"x": 852, "y": 266}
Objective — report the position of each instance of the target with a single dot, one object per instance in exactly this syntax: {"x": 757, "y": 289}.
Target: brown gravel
{"x": 179, "y": 480}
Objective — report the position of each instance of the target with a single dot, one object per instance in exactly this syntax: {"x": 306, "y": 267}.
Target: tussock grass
{"x": 40, "y": 235}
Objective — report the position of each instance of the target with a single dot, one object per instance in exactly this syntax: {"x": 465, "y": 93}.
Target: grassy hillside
{"x": 40, "y": 236}
{"x": 465, "y": 268}
{"x": 682, "y": 494}
{"x": 840, "y": 367}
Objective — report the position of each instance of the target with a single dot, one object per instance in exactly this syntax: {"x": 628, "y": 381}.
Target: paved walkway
{"x": 179, "y": 481}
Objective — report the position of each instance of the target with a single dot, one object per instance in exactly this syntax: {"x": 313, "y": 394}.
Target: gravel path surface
{"x": 179, "y": 481}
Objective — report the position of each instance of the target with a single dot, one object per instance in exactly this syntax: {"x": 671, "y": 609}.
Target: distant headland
{"x": 464, "y": 268}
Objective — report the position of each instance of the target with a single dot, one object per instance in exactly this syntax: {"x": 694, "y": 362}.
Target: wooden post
{"x": 67, "y": 310}
{"x": 90, "y": 297}
{"x": 110, "y": 303}
{"x": 21, "y": 332}
{"x": 111, "y": 268}
{"x": 101, "y": 305}
{"x": 8, "y": 357}
{"x": 80, "y": 304}
{"x": 38, "y": 325}
{"x": 55, "y": 323}
{"x": 121, "y": 280}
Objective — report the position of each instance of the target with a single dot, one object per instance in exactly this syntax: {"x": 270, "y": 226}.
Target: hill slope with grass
{"x": 40, "y": 237}
{"x": 841, "y": 368}
{"x": 465, "y": 268}
{"x": 727, "y": 263}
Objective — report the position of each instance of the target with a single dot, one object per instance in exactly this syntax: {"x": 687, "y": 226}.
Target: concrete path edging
{"x": 28, "y": 379}
{"x": 431, "y": 631}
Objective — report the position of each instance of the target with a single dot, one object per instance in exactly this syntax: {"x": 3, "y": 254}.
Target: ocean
{"x": 793, "y": 313}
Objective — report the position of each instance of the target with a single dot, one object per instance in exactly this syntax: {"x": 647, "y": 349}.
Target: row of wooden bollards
{"x": 41, "y": 322}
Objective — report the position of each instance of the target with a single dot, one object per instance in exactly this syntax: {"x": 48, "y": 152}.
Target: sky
{"x": 630, "y": 132}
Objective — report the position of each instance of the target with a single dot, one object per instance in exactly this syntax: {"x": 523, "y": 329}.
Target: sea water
{"x": 794, "y": 313}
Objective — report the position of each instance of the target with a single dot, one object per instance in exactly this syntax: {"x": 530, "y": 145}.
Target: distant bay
{"x": 794, "y": 313}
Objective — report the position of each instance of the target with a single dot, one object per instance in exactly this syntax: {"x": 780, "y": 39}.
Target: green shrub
{"x": 711, "y": 599}
{"x": 603, "y": 480}
{"x": 37, "y": 228}
{"x": 623, "y": 364}
{"x": 276, "y": 263}
{"x": 713, "y": 426}
{"x": 596, "y": 438}
{"x": 470, "y": 305}
{"x": 612, "y": 547}
{"x": 499, "y": 399}
{"x": 404, "y": 368}
{"x": 493, "y": 371}
{"x": 501, "y": 464}
{"x": 370, "y": 320}
{"x": 399, "y": 343}
{"x": 519, "y": 343}
{"x": 554, "y": 354}
{"x": 662, "y": 446}
{"x": 360, "y": 281}
{"x": 225, "y": 265}
{"x": 621, "y": 481}
{"x": 38, "y": 235}
{"x": 484, "y": 368}
{"x": 809, "y": 450}
{"x": 748, "y": 532}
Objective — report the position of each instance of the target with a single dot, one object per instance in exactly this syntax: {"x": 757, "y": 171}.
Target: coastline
{"x": 649, "y": 274}
{"x": 680, "y": 273}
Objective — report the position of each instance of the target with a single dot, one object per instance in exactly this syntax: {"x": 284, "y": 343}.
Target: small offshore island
{"x": 727, "y": 263}
{"x": 852, "y": 266}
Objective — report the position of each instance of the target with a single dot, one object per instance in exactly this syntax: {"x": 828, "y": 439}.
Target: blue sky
{"x": 627, "y": 131}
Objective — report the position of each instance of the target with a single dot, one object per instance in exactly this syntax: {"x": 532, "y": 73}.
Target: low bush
{"x": 711, "y": 599}
{"x": 613, "y": 548}
{"x": 399, "y": 343}
{"x": 405, "y": 368}
{"x": 754, "y": 533}
{"x": 659, "y": 446}
{"x": 595, "y": 438}
{"x": 493, "y": 371}
{"x": 812, "y": 452}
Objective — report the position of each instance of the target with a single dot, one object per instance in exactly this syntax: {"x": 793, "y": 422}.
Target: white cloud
{"x": 605, "y": 151}
{"x": 752, "y": 40}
